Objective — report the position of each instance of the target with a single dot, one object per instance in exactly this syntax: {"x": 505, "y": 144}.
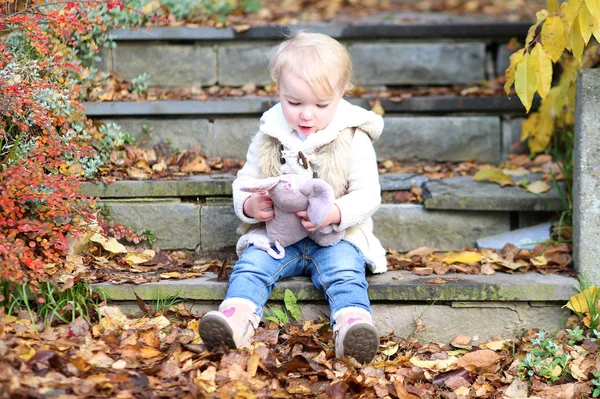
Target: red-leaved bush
{"x": 43, "y": 131}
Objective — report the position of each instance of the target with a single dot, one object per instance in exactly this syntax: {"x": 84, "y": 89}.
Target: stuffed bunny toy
{"x": 292, "y": 193}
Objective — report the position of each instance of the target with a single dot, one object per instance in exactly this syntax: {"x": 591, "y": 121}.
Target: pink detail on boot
{"x": 229, "y": 312}
{"x": 353, "y": 319}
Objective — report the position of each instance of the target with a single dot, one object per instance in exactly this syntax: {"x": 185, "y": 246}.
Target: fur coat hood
{"x": 273, "y": 123}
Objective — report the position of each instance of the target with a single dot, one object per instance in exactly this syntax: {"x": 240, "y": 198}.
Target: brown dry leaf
{"x": 421, "y": 251}
{"x": 196, "y": 165}
{"x": 483, "y": 361}
{"x": 423, "y": 271}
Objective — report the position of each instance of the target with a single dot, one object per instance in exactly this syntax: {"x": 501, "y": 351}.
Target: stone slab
{"x": 218, "y": 226}
{"x": 586, "y": 191}
{"x": 401, "y": 181}
{"x": 392, "y": 286}
{"x": 175, "y": 225}
{"x": 258, "y": 105}
{"x": 406, "y": 30}
{"x": 169, "y": 65}
{"x": 231, "y": 106}
{"x": 405, "y": 227}
{"x": 241, "y": 64}
{"x": 465, "y": 193}
{"x": 438, "y": 322}
{"x": 232, "y": 137}
{"x": 179, "y": 134}
{"x": 442, "y": 138}
{"x": 418, "y": 63}
{"x": 192, "y": 186}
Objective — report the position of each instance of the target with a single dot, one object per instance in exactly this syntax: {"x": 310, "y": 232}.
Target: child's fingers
{"x": 302, "y": 214}
{"x": 308, "y": 225}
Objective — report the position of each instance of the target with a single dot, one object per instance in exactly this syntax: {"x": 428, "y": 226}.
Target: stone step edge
{"x": 258, "y": 105}
{"x": 392, "y": 286}
{"x": 483, "y": 30}
{"x": 460, "y": 193}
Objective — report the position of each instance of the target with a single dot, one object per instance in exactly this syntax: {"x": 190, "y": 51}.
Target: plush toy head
{"x": 292, "y": 193}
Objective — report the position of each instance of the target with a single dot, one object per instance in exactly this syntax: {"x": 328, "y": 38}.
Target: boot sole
{"x": 361, "y": 342}
{"x": 215, "y": 331}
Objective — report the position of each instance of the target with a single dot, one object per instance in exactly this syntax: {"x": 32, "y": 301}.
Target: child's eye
{"x": 322, "y": 105}
{"x": 293, "y": 104}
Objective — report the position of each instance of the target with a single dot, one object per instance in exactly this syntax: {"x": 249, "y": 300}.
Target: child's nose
{"x": 306, "y": 115}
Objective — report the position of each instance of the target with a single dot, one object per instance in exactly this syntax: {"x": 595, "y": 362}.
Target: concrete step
{"x": 443, "y": 52}
{"x": 440, "y": 128}
{"x": 500, "y": 305}
{"x": 196, "y": 212}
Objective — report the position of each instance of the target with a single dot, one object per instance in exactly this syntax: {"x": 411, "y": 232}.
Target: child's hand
{"x": 260, "y": 207}
{"x": 333, "y": 217}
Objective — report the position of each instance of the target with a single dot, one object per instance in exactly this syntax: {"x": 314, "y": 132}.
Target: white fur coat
{"x": 341, "y": 154}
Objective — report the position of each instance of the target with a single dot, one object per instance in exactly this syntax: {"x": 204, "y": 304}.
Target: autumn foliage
{"x": 562, "y": 34}
{"x": 43, "y": 131}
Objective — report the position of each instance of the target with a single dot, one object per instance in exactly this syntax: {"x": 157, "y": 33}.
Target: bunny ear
{"x": 259, "y": 185}
{"x": 320, "y": 199}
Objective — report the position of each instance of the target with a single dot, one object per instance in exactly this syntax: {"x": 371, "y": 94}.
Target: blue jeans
{"x": 338, "y": 271}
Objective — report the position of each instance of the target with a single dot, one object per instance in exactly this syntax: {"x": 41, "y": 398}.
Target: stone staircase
{"x": 195, "y": 213}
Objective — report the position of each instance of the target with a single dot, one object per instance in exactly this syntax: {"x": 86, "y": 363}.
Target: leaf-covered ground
{"x": 161, "y": 356}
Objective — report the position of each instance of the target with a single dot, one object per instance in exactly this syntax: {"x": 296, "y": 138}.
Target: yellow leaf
{"x": 576, "y": 39}
{"x": 552, "y": 6}
{"x": 528, "y": 126}
{"x": 494, "y": 175}
{"x": 110, "y": 244}
{"x": 377, "y": 108}
{"x": 571, "y": 10}
{"x": 137, "y": 258}
{"x": 525, "y": 81}
{"x": 538, "y": 187}
{"x": 441, "y": 364}
{"x": 596, "y": 32}
{"x": 543, "y": 68}
{"x": 515, "y": 58}
{"x": 594, "y": 7}
{"x": 553, "y": 37}
{"x": 586, "y": 24}
{"x": 578, "y": 303}
{"x": 462, "y": 257}
{"x": 539, "y": 261}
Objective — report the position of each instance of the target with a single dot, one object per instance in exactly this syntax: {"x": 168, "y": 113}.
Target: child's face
{"x": 304, "y": 111}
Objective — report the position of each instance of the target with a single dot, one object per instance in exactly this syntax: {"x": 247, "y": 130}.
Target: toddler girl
{"x": 315, "y": 133}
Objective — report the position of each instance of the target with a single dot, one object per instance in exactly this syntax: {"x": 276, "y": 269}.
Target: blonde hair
{"x": 318, "y": 59}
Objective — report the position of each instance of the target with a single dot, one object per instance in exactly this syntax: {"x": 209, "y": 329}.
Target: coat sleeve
{"x": 250, "y": 170}
{"x": 364, "y": 192}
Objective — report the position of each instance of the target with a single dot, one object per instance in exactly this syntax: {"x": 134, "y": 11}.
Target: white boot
{"x": 233, "y": 325}
{"x": 355, "y": 334}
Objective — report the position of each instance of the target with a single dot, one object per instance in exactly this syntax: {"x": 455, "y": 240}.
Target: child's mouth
{"x": 305, "y": 129}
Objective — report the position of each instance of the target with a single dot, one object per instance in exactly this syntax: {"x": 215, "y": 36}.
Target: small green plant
{"x": 282, "y": 316}
{"x": 596, "y": 384}
{"x": 51, "y": 302}
{"x": 546, "y": 360}
{"x": 165, "y": 304}
{"x": 139, "y": 84}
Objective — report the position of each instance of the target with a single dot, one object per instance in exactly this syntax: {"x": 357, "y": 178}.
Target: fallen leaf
{"x": 109, "y": 244}
{"x": 482, "y": 361}
{"x": 466, "y": 257}
{"x": 441, "y": 364}
{"x": 377, "y": 107}
{"x": 421, "y": 251}
{"x": 494, "y": 175}
{"x": 538, "y": 187}
{"x": 138, "y": 258}
{"x": 579, "y": 304}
